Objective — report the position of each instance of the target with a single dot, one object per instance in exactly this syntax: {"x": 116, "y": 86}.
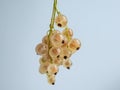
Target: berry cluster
{"x": 56, "y": 49}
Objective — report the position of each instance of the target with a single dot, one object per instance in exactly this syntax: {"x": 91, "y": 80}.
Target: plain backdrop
{"x": 96, "y": 66}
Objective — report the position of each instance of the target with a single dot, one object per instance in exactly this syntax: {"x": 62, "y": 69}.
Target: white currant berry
{"x": 43, "y": 68}
{"x": 51, "y": 79}
{"x": 74, "y": 45}
{"x": 67, "y": 63}
{"x": 46, "y": 57}
{"x": 61, "y": 20}
{"x": 52, "y": 69}
{"x": 66, "y": 53}
{"x": 41, "y": 60}
{"x": 41, "y": 49}
{"x": 68, "y": 33}
{"x": 45, "y": 39}
{"x": 55, "y": 52}
{"x": 57, "y": 39}
{"x": 57, "y": 61}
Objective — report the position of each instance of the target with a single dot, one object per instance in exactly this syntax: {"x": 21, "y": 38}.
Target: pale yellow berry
{"x": 74, "y": 45}
{"x": 61, "y": 20}
{"x": 57, "y": 39}
{"x": 43, "y": 67}
{"x": 41, "y": 49}
{"x": 45, "y": 39}
{"x": 67, "y": 63}
{"x": 51, "y": 79}
{"x": 66, "y": 53}
{"x": 68, "y": 33}
{"x": 55, "y": 52}
{"x": 52, "y": 69}
{"x": 57, "y": 61}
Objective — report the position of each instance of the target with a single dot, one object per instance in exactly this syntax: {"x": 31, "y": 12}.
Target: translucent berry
{"x": 68, "y": 33}
{"x": 52, "y": 69}
{"x": 41, "y": 48}
{"x": 57, "y": 61}
{"x": 55, "y": 52}
{"x": 44, "y": 59}
{"x": 43, "y": 68}
{"x": 51, "y": 79}
{"x": 66, "y": 53}
{"x": 57, "y": 39}
{"x": 74, "y": 45}
{"x": 45, "y": 39}
{"x": 67, "y": 63}
{"x": 61, "y": 20}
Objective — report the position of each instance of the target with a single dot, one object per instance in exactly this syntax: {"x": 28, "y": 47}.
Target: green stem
{"x": 52, "y": 24}
{"x": 53, "y": 16}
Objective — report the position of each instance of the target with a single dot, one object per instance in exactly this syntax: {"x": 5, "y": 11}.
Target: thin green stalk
{"x": 53, "y": 15}
{"x": 52, "y": 24}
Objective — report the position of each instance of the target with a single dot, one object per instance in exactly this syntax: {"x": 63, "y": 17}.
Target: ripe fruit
{"x": 57, "y": 61}
{"x": 52, "y": 69}
{"x": 61, "y": 20}
{"x": 55, "y": 52}
{"x": 41, "y": 48}
{"x": 68, "y": 33}
{"x": 67, "y": 63}
{"x": 51, "y": 79}
{"x": 74, "y": 45}
{"x": 66, "y": 53}
{"x": 57, "y": 39}
{"x": 43, "y": 68}
{"x": 45, "y": 39}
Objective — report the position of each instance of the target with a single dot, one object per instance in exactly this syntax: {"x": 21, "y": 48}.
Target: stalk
{"x": 53, "y": 16}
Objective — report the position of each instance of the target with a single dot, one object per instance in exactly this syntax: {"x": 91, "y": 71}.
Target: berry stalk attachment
{"x": 57, "y": 46}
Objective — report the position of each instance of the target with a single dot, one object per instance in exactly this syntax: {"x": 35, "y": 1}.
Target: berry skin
{"x": 66, "y": 53}
{"x": 61, "y": 20}
{"x": 57, "y": 39}
{"x": 57, "y": 61}
{"x": 41, "y": 49}
{"x": 43, "y": 68}
{"x": 65, "y": 43}
{"x": 45, "y": 39}
{"x": 41, "y": 60}
{"x": 55, "y": 52}
{"x": 74, "y": 45}
{"x": 44, "y": 59}
{"x": 51, "y": 79}
{"x": 67, "y": 63}
{"x": 52, "y": 69}
{"x": 68, "y": 33}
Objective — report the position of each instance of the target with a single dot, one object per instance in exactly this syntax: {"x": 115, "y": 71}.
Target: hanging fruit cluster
{"x": 57, "y": 46}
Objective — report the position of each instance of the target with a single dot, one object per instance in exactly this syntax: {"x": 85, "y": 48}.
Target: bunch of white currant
{"x": 56, "y": 49}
